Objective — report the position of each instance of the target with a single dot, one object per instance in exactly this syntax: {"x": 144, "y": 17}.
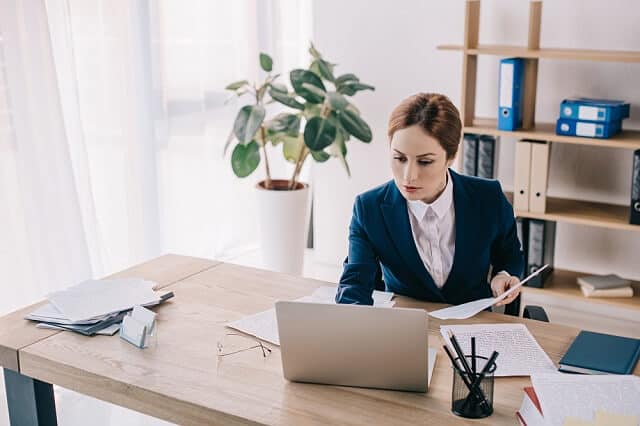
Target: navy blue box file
{"x": 587, "y": 109}
{"x": 588, "y": 129}
{"x": 510, "y": 94}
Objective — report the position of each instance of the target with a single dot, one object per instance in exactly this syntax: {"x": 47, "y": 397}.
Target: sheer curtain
{"x": 112, "y": 124}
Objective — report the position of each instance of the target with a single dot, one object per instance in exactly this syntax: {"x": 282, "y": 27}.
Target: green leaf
{"x": 298, "y": 77}
{"x": 266, "y": 62}
{"x": 228, "y": 142}
{"x": 345, "y": 78}
{"x": 236, "y": 85}
{"x": 353, "y": 124}
{"x": 284, "y": 122}
{"x": 314, "y": 52}
{"x": 285, "y": 99}
{"x": 313, "y": 89}
{"x": 292, "y": 147}
{"x": 245, "y": 159}
{"x": 351, "y": 87}
{"x": 248, "y": 122}
{"x": 337, "y": 102}
{"x": 320, "y": 156}
{"x": 279, "y": 87}
{"x": 323, "y": 68}
{"x": 319, "y": 134}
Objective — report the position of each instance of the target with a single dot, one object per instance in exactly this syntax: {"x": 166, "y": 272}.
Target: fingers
{"x": 510, "y": 298}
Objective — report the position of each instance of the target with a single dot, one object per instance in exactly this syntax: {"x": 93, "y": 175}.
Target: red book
{"x": 530, "y": 412}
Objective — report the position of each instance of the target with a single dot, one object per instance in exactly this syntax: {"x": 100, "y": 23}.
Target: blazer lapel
{"x": 464, "y": 227}
{"x": 396, "y": 218}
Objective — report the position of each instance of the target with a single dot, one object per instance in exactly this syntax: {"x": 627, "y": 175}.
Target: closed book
{"x": 598, "y": 353}
{"x": 634, "y": 215}
{"x": 470, "y": 154}
{"x": 588, "y": 291}
{"x": 599, "y": 282}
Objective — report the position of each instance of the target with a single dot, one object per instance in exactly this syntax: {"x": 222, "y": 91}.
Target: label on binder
{"x": 586, "y": 129}
{"x": 506, "y": 85}
{"x": 590, "y": 113}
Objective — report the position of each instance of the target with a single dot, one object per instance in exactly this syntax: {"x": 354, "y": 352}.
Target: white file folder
{"x": 522, "y": 176}
{"x": 539, "y": 176}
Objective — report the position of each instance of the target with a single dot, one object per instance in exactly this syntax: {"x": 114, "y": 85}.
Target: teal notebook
{"x": 597, "y": 353}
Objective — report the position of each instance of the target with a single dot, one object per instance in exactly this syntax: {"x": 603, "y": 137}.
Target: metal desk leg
{"x": 30, "y": 401}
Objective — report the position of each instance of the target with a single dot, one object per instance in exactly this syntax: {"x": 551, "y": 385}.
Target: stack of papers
{"x": 95, "y": 306}
{"x": 519, "y": 354}
{"x": 263, "y": 325}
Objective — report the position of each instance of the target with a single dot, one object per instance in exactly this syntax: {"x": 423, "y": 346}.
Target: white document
{"x": 519, "y": 354}
{"x": 264, "y": 326}
{"x": 433, "y": 352}
{"x": 96, "y": 298}
{"x": 581, "y": 396}
{"x": 467, "y": 310}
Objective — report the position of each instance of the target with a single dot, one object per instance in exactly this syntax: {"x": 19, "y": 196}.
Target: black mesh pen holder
{"x": 477, "y": 402}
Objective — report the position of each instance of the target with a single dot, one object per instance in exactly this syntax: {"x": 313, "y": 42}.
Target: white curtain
{"x": 112, "y": 124}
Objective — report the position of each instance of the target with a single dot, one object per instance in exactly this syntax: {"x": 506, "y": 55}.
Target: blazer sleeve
{"x": 361, "y": 266}
{"x": 506, "y": 253}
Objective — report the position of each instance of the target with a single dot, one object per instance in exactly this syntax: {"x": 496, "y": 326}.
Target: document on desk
{"x": 584, "y": 397}
{"x": 263, "y": 325}
{"x": 519, "y": 352}
{"x": 467, "y": 310}
{"x": 94, "y": 298}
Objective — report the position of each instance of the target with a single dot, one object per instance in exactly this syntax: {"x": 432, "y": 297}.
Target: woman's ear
{"x": 450, "y": 162}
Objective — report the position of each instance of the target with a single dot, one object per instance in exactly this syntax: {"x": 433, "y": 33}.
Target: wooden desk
{"x": 182, "y": 380}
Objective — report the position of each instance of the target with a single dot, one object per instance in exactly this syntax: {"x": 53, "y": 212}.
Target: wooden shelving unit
{"x": 561, "y": 284}
{"x": 569, "y": 54}
{"x": 582, "y": 213}
{"x": 627, "y": 139}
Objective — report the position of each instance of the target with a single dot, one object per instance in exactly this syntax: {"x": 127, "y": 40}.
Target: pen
{"x": 473, "y": 356}
{"x": 487, "y": 367}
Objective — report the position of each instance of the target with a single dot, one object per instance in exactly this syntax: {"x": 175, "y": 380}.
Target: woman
{"x": 430, "y": 233}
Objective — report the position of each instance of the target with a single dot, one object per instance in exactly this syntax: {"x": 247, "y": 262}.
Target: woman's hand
{"x": 501, "y": 283}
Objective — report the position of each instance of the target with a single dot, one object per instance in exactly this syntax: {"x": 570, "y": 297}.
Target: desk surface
{"x": 182, "y": 380}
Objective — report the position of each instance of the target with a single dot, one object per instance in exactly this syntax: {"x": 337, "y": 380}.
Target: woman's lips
{"x": 411, "y": 188}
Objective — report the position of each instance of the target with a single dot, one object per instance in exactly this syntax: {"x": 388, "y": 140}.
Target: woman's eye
{"x": 425, "y": 163}
{"x": 400, "y": 159}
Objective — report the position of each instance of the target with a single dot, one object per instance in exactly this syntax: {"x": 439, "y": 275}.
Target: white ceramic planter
{"x": 283, "y": 220}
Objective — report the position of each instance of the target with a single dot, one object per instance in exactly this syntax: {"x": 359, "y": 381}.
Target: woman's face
{"x": 419, "y": 164}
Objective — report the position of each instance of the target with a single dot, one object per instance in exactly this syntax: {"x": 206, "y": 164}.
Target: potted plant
{"x": 318, "y": 121}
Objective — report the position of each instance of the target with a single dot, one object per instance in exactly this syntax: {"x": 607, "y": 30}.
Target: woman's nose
{"x": 410, "y": 173}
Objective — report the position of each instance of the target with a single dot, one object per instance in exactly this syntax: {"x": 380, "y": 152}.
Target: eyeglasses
{"x": 234, "y": 343}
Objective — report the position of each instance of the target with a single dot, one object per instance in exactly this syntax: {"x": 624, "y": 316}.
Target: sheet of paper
{"x": 467, "y": 310}
{"x": 519, "y": 354}
{"x": 96, "y": 298}
{"x": 582, "y": 396}
{"x": 433, "y": 353}
{"x": 263, "y": 325}
{"x": 605, "y": 418}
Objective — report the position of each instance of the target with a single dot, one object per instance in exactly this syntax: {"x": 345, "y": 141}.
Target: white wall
{"x": 392, "y": 45}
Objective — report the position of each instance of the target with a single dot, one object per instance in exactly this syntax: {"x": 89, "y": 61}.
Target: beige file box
{"x": 522, "y": 176}
{"x": 539, "y": 176}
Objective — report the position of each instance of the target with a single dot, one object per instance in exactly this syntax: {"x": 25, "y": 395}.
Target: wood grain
{"x": 17, "y": 333}
{"x": 180, "y": 378}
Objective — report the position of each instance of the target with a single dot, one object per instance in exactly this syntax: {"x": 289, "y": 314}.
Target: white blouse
{"x": 434, "y": 232}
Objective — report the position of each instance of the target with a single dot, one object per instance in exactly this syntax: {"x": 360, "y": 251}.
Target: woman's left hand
{"x": 501, "y": 283}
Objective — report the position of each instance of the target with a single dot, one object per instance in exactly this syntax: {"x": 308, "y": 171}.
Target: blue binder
{"x": 587, "y": 129}
{"x": 601, "y": 110}
{"x": 510, "y": 94}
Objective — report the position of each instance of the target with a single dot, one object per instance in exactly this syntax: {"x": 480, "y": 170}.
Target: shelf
{"x": 543, "y": 53}
{"x": 562, "y": 283}
{"x": 627, "y": 139}
{"x": 582, "y": 213}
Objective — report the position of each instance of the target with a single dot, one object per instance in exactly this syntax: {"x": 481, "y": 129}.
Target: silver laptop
{"x": 354, "y": 345}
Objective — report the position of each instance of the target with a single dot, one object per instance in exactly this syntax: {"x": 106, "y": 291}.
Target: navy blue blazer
{"x": 381, "y": 241}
